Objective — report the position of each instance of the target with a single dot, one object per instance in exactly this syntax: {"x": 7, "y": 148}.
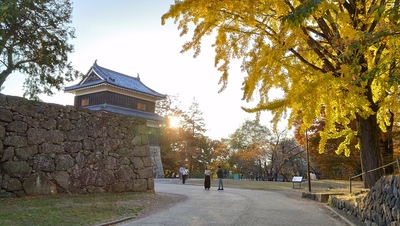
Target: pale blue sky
{"x": 127, "y": 36}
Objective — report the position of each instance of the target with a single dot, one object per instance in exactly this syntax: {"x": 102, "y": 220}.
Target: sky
{"x": 127, "y": 36}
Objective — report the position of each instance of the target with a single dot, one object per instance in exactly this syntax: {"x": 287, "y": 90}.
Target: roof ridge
{"x": 103, "y": 68}
{"x": 117, "y": 79}
{"x": 137, "y": 78}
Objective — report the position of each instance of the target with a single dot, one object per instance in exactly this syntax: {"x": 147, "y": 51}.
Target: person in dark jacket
{"x": 207, "y": 178}
{"x": 220, "y": 175}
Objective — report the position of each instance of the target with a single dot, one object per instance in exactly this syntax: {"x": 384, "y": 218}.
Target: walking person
{"x": 220, "y": 175}
{"x": 185, "y": 175}
{"x": 181, "y": 172}
{"x": 207, "y": 178}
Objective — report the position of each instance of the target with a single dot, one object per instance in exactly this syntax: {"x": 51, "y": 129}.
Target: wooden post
{"x": 398, "y": 163}
{"x": 308, "y": 164}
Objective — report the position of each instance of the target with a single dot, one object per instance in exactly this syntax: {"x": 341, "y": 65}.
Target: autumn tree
{"x": 221, "y": 153}
{"x": 172, "y": 146}
{"x": 34, "y": 39}
{"x": 171, "y": 141}
{"x": 205, "y": 157}
{"x": 169, "y": 107}
{"x": 249, "y": 133}
{"x": 247, "y": 161}
{"x": 339, "y": 55}
{"x": 285, "y": 157}
{"x": 248, "y": 144}
{"x": 194, "y": 126}
{"x": 184, "y": 144}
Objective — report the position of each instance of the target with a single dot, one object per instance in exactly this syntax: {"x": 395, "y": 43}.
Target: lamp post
{"x": 308, "y": 164}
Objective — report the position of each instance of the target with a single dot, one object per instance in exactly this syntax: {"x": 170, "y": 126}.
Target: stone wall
{"x": 158, "y": 169}
{"x": 380, "y": 206}
{"x": 49, "y": 148}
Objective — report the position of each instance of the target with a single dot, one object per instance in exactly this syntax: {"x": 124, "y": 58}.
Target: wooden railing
{"x": 397, "y": 161}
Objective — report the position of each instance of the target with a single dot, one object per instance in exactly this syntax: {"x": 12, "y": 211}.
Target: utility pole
{"x": 308, "y": 164}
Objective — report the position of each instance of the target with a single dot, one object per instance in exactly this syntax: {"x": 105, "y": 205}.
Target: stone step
{"x": 320, "y": 197}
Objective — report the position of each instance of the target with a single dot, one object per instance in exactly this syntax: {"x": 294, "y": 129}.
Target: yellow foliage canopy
{"x": 341, "y": 56}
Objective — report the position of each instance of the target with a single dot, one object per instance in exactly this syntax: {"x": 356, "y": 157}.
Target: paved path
{"x": 236, "y": 207}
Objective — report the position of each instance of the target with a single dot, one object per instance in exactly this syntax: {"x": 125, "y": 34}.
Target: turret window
{"x": 141, "y": 106}
{"x": 85, "y": 102}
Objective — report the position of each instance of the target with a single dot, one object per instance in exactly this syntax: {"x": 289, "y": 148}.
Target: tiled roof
{"x": 117, "y": 79}
{"x": 126, "y": 111}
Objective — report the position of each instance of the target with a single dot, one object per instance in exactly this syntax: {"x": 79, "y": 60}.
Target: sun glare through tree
{"x": 174, "y": 121}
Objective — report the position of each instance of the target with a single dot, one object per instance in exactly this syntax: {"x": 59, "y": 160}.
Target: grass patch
{"x": 316, "y": 185}
{"x": 88, "y": 209}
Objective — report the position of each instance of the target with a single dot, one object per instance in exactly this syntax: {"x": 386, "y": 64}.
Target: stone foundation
{"x": 379, "y": 206}
{"x": 158, "y": 170}
{"x": 49, "y": 148}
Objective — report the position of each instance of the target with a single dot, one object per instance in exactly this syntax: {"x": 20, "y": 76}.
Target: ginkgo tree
{"x": 339, "y": 57}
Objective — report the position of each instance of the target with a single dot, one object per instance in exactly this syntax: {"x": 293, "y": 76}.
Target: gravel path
{"x": 259, "y": 203}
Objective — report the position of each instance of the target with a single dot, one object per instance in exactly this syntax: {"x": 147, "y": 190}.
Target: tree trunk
{"x": 4, "y": 74}
{"x": 387, "y": 147}
{"x": 369, "y": 136}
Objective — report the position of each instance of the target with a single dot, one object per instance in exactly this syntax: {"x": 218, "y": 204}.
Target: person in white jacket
{"x": 181, "y": 172}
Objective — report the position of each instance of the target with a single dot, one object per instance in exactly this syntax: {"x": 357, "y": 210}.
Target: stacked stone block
{"x": 48, "y": 148}
{"x": 380, "y": 206}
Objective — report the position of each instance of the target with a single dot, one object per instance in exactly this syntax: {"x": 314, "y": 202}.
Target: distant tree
{"x": 248, "y": 144}
{"x": 221, "y": 153}
{"x": 249, "y": 133}
{"x": 206, "y": 153}
{"x": 338, "y": 55}
{"x": 34, "y": 39}
{"x": 172, "y": 141}
{"x": 285, "y": 157}
{"x": 248, "y": 161}
{"x": 194, "y": 128}
{"x": 169, "y": 107}
{"x": 185, "y": 144}
{"x": 172, "y": 145}
{"x": 193, "y": 120}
